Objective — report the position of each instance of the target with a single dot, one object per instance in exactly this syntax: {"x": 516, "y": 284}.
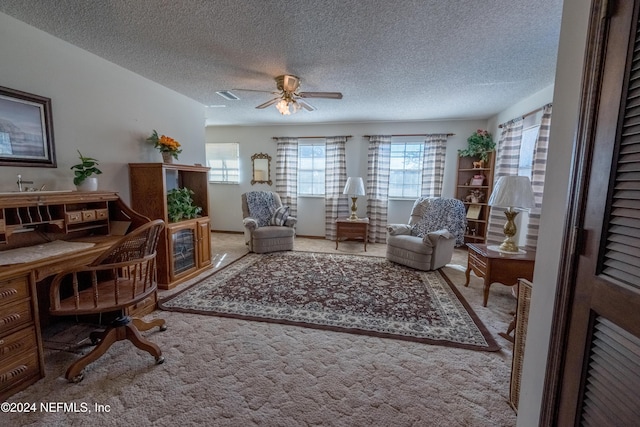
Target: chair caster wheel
{"x": 163, "y": 328}
{"x": 159, "y": 360}
{"x": 77, "y": 378}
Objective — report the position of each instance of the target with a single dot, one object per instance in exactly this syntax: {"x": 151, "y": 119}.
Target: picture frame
{"x": 26, "y": 130}
{"x": 474, "y": 211}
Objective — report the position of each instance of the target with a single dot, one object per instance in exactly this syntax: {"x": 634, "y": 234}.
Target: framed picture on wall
{"x": 26, "y": 129}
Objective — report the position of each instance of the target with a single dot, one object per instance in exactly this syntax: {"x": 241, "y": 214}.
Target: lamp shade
{"x": 354, "y": 187}
{"x": 513, "y": 192}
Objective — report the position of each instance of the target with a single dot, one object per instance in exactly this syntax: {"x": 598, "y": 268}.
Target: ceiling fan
{"x": 289, "y": 100}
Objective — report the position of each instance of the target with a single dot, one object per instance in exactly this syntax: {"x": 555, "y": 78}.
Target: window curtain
{"x": 435, "y": 149}
{"x": 507, "y": 160}
{"x": 537, "y": 176}
{"x": 378, "y": 163}
{"x": 287, "y": 173}
{"x": 336, "y": 204}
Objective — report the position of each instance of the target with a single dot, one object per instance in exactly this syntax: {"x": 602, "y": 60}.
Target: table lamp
{"x": 355, "y": 188}
{"x": 512, "y": 192}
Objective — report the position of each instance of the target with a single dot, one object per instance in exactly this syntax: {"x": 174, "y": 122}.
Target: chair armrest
{"x": 398, "y": 229}
{"x": 291, "y": 221}
{"x": 250, "y": 223}
{"x": 433, "y": 237}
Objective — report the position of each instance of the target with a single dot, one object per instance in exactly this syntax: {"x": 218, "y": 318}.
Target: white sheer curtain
{"x": 287, "y": 173}
{"x": 537, "y": 176}
{"x": 336, "y": 204}
{"x": 508, "y": 152}
{"x": 435, "y": 149}
{"x": 378, "y": 186}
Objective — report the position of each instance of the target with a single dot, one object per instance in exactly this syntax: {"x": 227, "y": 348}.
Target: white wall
{"x": 564, "y": 122}
{"x": 225, "y": 198}
{"x": 98, "y": 107}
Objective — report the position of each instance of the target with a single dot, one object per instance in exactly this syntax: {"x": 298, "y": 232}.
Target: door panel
{"x": 599, "y": 371}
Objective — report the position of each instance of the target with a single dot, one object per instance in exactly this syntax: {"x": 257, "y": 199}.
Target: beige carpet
{"x": 228, "y": 372}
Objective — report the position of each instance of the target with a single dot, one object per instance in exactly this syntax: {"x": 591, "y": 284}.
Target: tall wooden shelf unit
{"x": 184, "y": 250}
{"x": 476, "y": 227}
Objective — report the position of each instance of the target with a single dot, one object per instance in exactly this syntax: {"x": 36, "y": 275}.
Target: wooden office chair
{"x": 122, "y": 276}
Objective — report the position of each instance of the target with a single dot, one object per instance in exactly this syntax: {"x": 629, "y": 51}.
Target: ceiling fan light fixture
{"x": 283, "y": 107}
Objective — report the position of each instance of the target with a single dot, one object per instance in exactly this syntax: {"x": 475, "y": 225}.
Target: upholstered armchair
{"x": 267, "y": 224}
{"x": 435, "y": 227}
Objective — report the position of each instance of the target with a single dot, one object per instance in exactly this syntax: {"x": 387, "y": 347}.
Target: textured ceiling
{"x": 392, "y": 60}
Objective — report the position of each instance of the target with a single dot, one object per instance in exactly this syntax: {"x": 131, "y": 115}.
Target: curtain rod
{"x": 524, "y": 115}
{"x": 412, "y": 134}
{"x": 310, "y": 137}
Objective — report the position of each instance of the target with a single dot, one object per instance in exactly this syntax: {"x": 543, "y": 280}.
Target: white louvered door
{"x": 601, "y": 369}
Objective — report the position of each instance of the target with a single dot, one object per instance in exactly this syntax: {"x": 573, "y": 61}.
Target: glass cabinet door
{"x": 183, "y": 249}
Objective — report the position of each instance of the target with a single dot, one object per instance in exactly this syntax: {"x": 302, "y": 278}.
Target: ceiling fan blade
{"x": 306, "y": 105}
{"x": 268, "y": 103}
{"x": 290, "y": 83}
{"x": 327, "y": 95}
{"x": 256, "y": 90}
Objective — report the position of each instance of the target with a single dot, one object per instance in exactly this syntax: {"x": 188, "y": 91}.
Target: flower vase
{"x": 167, "y": 157}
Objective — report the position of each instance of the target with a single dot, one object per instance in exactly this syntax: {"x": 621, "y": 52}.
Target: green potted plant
{"x": 180, "y": 205}
{"x": 480, "y": 145}
{"x": 84, "y": 171}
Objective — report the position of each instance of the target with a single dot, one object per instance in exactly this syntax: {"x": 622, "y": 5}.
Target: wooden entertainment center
{"x": 32, "y": 227}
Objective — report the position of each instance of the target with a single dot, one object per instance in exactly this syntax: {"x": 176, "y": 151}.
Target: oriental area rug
{"x": 346, "y": 293}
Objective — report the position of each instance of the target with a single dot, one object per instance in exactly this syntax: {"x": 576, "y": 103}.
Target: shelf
{"x": 464, "y": 188}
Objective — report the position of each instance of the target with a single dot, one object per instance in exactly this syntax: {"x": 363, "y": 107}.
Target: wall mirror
{"x": 261, "y": 169}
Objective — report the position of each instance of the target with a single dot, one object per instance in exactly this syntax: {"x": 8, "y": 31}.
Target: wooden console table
{"x": 29, "y": 219}
{"x": 495, "y": 266}
{"x": 352, "y": 229}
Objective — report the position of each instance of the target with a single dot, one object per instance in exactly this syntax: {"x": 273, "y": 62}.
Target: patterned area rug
{"x": 348, "y": 293}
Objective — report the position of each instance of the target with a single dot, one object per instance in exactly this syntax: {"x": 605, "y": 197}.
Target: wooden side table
{"x": 352, "y": 229}
{"x": 495, "y": 266}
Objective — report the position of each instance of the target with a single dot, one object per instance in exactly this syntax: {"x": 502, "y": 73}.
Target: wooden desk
{"x": 352, "y": 229}
{"x": 499, "y": 267}
{"x": 28, "y": 219}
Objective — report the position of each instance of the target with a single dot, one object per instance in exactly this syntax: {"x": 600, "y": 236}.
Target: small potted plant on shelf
{"x": 480, "y": 145}
{"x": 180, "y": 205}
{"x": 168, "y": 147}
{"x": 84, "y": 171}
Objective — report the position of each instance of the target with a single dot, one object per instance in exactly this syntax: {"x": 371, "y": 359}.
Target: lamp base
{"x": 354, "y": 208}
{"x": 510, "y": 230}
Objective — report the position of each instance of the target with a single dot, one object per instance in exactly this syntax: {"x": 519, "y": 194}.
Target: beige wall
{"x": 98, "y": 107}
{"x": 225, "y": 198}
{"x": 561, "y": 145}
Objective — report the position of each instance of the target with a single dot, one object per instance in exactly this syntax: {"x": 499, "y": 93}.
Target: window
{"x": 527, "y": 146}
{"x": 311, "y": 168}
{"x": 223, "y": 159}
{"x": 405, "y": 169}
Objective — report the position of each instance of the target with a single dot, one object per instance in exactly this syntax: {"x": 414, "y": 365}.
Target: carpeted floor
{"x": 230, "y": 372}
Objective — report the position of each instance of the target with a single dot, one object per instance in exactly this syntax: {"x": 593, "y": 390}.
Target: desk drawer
{"x": 352, "y": 228}
{"x": 102, "y": 213}
{"x": 18, "y": 369}
{"x": 16, "y": 343}
{"x": 15, "y": 315}
{"x": 88, "y": 215}
{"x": 74, "y": 217}
{"x": 13, "y": 290}
{"x": 477, "y": 262}
{"x": 144, "y": 307}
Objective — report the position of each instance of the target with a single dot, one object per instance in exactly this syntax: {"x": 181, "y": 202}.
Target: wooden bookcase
{"x": 478, "y": 218}
{"x": 184, "y": 249}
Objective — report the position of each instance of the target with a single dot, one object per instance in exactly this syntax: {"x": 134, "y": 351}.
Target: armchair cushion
{"x": 398, "y": 229}
{"x": 280, "y": 216}
{"x": 261, "y": 206}
{"x": 437, "y": 214}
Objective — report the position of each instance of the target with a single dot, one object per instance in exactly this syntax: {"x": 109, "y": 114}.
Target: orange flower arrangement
{"x": 165, "y": 144}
